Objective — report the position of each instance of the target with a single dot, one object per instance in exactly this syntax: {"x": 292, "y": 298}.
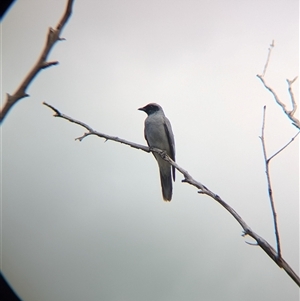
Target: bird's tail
{"x": 166, "y": 183}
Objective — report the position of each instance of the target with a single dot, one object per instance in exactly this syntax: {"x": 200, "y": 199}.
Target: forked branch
{"x": 295, "y": 122}
{"x": 289, "y": 113}
{"x": 42, "y": 63}
{"x": 190, "y": 180}
{"x": 267, "y": 167}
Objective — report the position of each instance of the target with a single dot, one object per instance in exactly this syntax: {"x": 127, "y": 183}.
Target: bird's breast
{"x": 155, "y": 132}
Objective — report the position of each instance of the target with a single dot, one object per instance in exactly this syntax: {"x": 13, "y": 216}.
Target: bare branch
{"x": 268, "y": 59}
{"x": 283, "y": 147}
{"x": 202, "y": 189}
{"x": 289, "y": 114}
{"x": 277, "y": 256}
{"x": 270, "y": 187}
{"x": 92, "y": 132}
{"x": 52, "y": 37}
{"x": 294, "y": 104}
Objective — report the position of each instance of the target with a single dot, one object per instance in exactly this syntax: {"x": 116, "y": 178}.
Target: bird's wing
{"x": 171, "y": 141}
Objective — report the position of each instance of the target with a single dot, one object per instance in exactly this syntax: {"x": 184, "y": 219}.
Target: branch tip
{"x": 49, "y": 64}
{"x": 290, "y": 82}
{"x": 252, "y": 243}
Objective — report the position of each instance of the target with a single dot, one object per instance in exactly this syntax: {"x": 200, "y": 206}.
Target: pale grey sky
{"x": 85, "y": 220}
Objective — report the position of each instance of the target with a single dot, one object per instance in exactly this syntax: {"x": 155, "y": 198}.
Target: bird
{"x": 158, "y": 134}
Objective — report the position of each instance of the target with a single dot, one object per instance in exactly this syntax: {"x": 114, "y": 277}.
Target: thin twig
{"x": 270, "y": 158}
{"x": 52, "y": 37}
{"x": 290, "y": 114}
{"x": 95, "y": 133}
{"x": 268, "y": 59}
{"x": 270, "y": 187}
{"x": 294, "y": 104}
{"x": 202, "y": 189}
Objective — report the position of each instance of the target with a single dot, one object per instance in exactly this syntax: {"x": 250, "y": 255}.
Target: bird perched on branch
{"x": 158, "y": 134}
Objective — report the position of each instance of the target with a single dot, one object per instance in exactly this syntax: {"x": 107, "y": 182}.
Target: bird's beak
{"x": 141, "y": 109}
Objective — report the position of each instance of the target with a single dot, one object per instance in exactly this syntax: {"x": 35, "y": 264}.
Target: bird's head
{"x": 151, "y": 108}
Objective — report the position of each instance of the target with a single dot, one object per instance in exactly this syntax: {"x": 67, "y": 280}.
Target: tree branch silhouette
{"x": 290, "y": 114}
{"x": 267, "y": 160}
{"x": 190, "y": 180}
{"x": 42, "y": 63}
{"x": 267, "y": 170}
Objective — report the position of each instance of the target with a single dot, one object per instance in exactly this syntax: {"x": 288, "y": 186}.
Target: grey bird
{"x": 158, "y": 134}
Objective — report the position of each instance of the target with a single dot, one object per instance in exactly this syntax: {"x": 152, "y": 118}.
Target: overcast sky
{"x": 85, "y": 220}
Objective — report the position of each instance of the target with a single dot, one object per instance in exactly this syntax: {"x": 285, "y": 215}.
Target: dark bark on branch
{"x": 190, "y": 180}
{"x": 52, "y": 37}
